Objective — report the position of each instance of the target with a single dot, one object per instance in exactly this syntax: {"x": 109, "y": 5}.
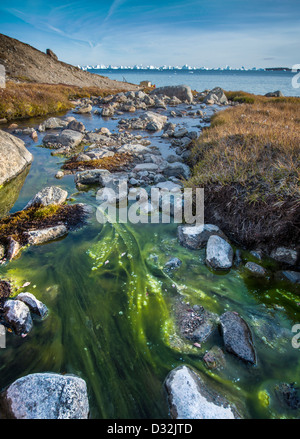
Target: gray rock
{"x": 285, "y": 255}
{"x": 35, "y": 305}
{"x": 93, "y": 176}
{"x": 168, "y": 186}
{"x": 84, "y": 109}
{"x": 74, "y": 125}
{"x": 36, "y": 237}
{"x": 274, "y": 94}
{"x": 292, "y": 276}
{"x": 145, "y": 167}
{"x": 190, "y": 397}
{"x": 70, "y": 138}
{"x": 195, "y": 237}
{"x": 217, "y": 96}
{"x": 47, "y": 196}
{"x": 52, "y": 123}
{"x": 2, "y": 251}
{"x": 214, "y": 358}
{"x": 255, "y": 269}
{"x": 173, "y": 263}
{"x": 237, "y": 337}
{"x": 219, "y": 254}
{"x": 159, "y": 178}
{"x": 108, "y": 111}
{"x": 181, "y": 132}
{"x": 156, "y": 120}
{"x": 176, "y": 169}
{"x": 46, "y": 396}
{"x": 14, "y": 157}
{"x": 182, "y": 92}
{"x": 17, "y": 316}
{"x": 13, "y": 248}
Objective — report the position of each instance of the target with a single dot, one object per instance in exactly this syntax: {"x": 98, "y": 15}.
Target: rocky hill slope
{"x": 25, "y": 63}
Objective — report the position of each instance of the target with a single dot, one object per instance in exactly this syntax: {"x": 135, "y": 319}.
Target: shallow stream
{"x": 111, "y": 302}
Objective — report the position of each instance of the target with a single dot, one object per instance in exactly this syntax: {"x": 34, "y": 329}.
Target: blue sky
{"x": 213, "y": 33}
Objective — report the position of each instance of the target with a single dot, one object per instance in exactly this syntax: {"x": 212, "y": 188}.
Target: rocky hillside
{"x": 25, "y": 63}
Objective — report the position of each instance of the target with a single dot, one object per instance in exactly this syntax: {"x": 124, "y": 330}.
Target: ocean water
{"x": 257, "y": 82}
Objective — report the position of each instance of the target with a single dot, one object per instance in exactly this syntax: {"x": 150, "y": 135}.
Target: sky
{"x": 211, "y": 33}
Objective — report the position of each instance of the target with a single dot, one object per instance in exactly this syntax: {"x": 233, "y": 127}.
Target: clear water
{"x": 257, "y": 82}
{"x": 111, "y": 304}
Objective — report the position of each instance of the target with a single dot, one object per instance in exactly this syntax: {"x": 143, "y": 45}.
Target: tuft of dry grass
{"x": 248, "y": 160}
{"x": 38, "y": 217}
{"x": 113, "y": 164}
{"x": 24, "y": 100}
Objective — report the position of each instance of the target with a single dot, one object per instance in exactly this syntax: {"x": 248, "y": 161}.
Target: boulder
{"x": 93, "y": 176}
{"x": 195, "y": 237}
{"x": 74, "y": 125}
{"x": 52, "y": 123}
{"x": 237, "y": 336}
{"x": 46, "y": 396}
{"x": 285, "y": 255}
{"x": 274, "y": 94}
{"x": 17, "y": 316}
{"x": 14, "y": 157}
{"x": 219, "y": 254}
{"x": 154, "y": 121}
{"x": 191, "y": 397}
{"x": 217, "y": 96}
{"x": 52, "y": 55}
{"x": 182, "y": 92}
{"x": 35, "y": 305}
{"x": 176, "y": 169}
{"x": 36, "y": 237}
{"x": 70, "y": 138}
{"x": 67, "y": 138}
{"x": 47, "y": 196}
{"x": 13, "y": 248}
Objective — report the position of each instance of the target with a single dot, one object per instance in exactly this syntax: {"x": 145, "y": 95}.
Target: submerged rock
{"x": 46, "y": 396}
{"x": 47, "y": 196}
{"x": 196, "y": 325}
{"x": 36, "y": 237}
{"x": 292, "y": 276}
{"x": 190, "y": 397}
{"x": 237, "y": 336}
{"x": 219, "y": 254}
{"x": 17, "y": 316}
{"x": 214, "y": 358}
{"x": 255, "y": 269}
{"x": 35, "y": 305}
{"x": 288, "y": 395}
{"x": 14, "y": 157}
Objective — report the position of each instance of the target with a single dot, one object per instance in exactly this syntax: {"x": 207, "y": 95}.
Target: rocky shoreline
{"x": 105, "y": 159}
